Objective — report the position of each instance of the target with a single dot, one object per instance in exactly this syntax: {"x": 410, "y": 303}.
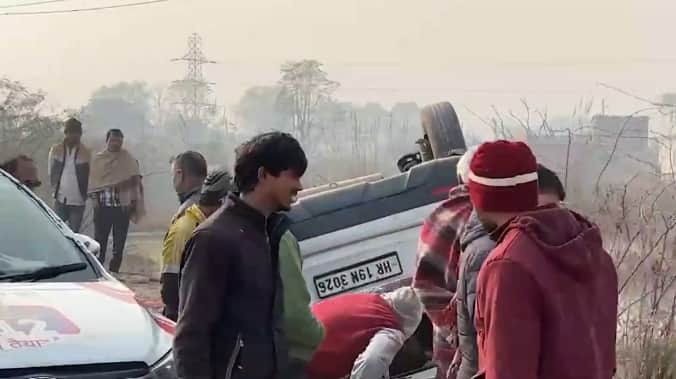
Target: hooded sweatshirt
{"x": 547, "y": 300}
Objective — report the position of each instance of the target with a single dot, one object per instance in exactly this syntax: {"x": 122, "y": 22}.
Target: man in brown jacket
{"x": 117, "y": 192}
{"x": 230, "y": 322}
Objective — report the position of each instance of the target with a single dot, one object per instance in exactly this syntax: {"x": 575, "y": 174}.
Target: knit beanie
{"x": 503, "y": 177}
{"x": 462, "y": 168}
{"x": 215, "y": 187}
{"x": 406, "y": 304}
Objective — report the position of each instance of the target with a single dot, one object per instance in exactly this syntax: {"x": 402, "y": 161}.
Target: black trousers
{"x": 117, "y": 219}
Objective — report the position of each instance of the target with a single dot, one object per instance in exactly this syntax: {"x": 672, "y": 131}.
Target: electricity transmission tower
{"x": 194, "y": 88}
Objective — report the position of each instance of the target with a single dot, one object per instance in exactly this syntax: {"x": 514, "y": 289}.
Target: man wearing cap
{"x": 364, "y": 332}
{"x": 215, "y": 187}
{"x": 437, "y": 268}
{"x": 68, "y": 171}
{"x": 546, "y": 303}
{"x": 476, "y": 243}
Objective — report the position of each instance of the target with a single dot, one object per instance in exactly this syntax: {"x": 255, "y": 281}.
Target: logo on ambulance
{"x": 33, "y": 326}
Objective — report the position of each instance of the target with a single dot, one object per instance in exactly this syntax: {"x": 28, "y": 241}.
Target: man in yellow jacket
{"x": 215, "y": 187}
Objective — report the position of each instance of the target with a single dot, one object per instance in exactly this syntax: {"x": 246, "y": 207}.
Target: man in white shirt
{"x": 69, "y": 174}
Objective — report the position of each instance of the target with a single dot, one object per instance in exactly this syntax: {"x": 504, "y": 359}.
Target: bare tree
{"x": 23, "y": 127}
{"x": 306, "y": 84}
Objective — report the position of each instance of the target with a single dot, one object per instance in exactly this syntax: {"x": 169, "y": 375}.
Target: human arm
{"x": 86, "y": 168}
{"x": 429, "y": 278}
{"x": 374, "y": 362}
{"x": 202, "y": 291}
{"x": 95, "y": 199}
{"x": 304, "y": 332}
{"x": 508, "y": 312}
{"x": 50, "y": 162}
{"x": 172, "y": 249}
{"x": 473, "y": 256}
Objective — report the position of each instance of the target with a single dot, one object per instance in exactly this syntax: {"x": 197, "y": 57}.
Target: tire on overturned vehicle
{"x": 441, "y": 128}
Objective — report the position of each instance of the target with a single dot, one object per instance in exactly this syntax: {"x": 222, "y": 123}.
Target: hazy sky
{"x": 471, "y": 52}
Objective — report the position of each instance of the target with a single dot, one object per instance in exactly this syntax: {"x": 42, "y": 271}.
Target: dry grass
{"x": 638, "y": 221}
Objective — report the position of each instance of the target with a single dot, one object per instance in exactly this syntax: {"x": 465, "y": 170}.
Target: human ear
{"x": 261, "y": 174}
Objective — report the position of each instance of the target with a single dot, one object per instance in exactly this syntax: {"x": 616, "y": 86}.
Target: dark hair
{"x": 72, "y": 125}
{"x": 275, "y": 152}
{"x": 114, "y": 132}
{"x": 192, "y": 162}
{"x": 549, "y": 182}
{"x": 11, "y": 165}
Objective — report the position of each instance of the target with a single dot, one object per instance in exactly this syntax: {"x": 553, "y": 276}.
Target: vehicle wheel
{"x": 441, "y": 126}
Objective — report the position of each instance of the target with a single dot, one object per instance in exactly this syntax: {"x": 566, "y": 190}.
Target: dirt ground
{"x": 141, "y": 267}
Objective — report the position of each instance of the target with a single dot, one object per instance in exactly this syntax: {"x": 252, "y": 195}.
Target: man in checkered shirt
{"x": 437, "y": 269}
{"x": 116, "y": 191}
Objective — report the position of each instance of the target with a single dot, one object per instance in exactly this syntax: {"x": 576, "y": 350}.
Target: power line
{"x": 32, "y": 3}
{"x": 106, "y": 7}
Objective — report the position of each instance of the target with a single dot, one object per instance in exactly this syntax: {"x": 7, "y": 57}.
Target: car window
{"x": 30, "y": 240}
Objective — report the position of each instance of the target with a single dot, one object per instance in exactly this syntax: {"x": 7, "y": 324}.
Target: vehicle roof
{"x": 341, "y": 208}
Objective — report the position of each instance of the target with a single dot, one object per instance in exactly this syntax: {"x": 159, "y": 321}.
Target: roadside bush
{"x": 638, "y": 221}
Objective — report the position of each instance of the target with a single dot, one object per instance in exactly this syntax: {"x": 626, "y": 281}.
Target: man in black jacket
{"x": 230, "y": 321}
{"x": 476, "y": 244}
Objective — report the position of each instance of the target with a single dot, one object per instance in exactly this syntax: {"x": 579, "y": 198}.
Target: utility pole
{"x": 194, "y": 88}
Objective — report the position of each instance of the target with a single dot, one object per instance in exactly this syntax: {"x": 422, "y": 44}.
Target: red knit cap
{"x": 503, "y": 177}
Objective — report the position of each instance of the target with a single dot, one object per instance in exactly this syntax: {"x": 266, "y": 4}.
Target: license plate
{"x": 358, "y": 275}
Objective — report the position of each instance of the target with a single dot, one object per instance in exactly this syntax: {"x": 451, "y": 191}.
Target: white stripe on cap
{"x": 504, "y": 182}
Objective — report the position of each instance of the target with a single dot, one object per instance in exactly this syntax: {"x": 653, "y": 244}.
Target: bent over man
{"x": 364, "y": 332}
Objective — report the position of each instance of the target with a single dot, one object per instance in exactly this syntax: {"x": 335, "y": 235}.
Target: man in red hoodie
{"x": 547, "y": 294}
